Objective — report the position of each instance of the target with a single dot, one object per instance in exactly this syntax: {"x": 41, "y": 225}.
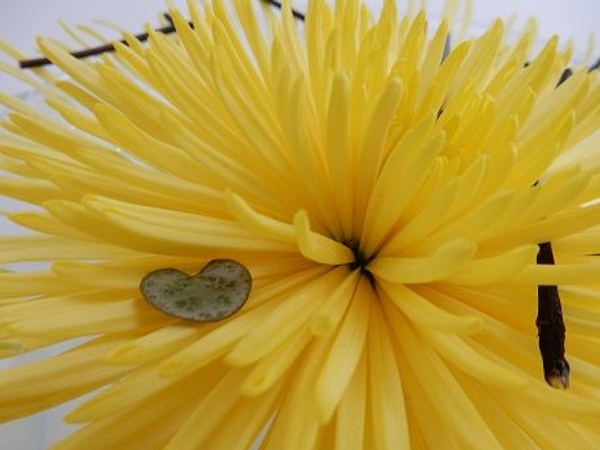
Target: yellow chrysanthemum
{"x": 388, "y": 202}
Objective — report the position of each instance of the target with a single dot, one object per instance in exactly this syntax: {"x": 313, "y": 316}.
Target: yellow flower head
{"x": 387, "y": 199}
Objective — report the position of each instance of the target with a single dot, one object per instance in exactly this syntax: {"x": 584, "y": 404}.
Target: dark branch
{"x": 550, "y": 322}
{"x": 298, "y": 15}
{"x": 551, "y": 328}
{"x": 94, "y": 51}
{"x": 567, "y": 73}
{"x": 142, "y": 37}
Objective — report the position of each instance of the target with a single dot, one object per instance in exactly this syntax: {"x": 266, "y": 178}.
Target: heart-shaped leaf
{"x": 219, "y": 290}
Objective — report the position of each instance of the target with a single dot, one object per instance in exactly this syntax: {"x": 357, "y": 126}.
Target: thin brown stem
{"x": 110, "y": 47}
{"x": 94, "y": 51}
{"x": 297, "y": 14}
{"x": 551, "y": 327}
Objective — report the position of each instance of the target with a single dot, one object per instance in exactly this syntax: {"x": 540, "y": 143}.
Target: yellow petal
{"x": 286, "y": 319}
{"x": 267, "y": 226}
{"x": 494, "y": 268}
{"x": 318, "y": 247}
{"x": 343, "y": 357}
{"x": 386, "y": 390}
{"x": 447, "y": 260}
{"x": 36, "y": 386}
{"x": 425, "y": 314}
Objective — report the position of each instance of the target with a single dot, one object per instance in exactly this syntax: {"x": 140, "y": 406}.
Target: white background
{"x": 22, "y": 20}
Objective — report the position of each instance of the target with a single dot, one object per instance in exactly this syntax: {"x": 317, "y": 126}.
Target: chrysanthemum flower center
{"x": 361, "y": 259}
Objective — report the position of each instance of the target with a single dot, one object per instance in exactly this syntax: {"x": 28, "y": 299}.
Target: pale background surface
{"x": 22, "y": 20}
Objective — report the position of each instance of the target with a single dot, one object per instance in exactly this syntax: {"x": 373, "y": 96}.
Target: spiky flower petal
{"x": 388, "y": 201}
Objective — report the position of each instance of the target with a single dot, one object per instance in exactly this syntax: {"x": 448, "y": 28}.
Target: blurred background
{"x": 22, "y": 20}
